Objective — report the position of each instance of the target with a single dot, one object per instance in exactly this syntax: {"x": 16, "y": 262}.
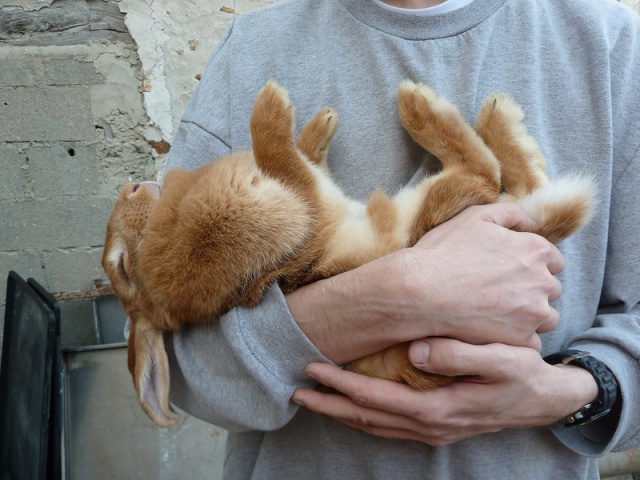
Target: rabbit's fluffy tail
{"x": 561, "y": 207}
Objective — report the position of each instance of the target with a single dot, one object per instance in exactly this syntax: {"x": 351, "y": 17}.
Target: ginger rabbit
{"x": 217, "y": 237}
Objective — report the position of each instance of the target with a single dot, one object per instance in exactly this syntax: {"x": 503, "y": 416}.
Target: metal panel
{"x": 109, "y": 317}
{"x": 108, "y": 436}
{"x": 29, "y": 340}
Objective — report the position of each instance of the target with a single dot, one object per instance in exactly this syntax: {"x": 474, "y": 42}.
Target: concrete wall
{"x": 90, "y": 95}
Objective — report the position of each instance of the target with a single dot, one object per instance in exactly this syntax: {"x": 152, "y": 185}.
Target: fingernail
{"x": 419, "y": 353}
{"x": 296, "y": 398}
{"x": 310, "y": 373}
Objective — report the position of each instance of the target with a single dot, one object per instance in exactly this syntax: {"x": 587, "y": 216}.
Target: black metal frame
{"x": 30, "y": 383}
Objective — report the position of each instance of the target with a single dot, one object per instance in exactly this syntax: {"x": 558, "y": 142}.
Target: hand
{"x": 471, "y": 278}
{"x": 494, "y": 284}
{"x": 502, "y": 387}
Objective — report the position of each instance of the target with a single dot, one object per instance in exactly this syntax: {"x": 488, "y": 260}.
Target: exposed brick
{"x": 70, "y": 270}
{"x": 71, "y": 71}
{"x": 63, "y": 170}
{"x": 53, "y": 223}
{"x": 45, "y": 114}
{"x": 12, "y": 174}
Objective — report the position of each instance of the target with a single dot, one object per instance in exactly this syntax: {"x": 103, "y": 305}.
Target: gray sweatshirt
{"x": 574, "y": 67}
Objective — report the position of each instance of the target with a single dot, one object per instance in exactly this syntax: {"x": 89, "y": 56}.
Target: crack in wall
{"x": 63, "y": 22}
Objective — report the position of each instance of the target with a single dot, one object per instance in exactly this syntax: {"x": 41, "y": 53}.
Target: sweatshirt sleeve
{"x": 615, "y": 336}
{"x": 240, "y": 371}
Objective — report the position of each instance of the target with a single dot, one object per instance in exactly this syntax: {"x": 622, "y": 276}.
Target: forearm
{"x": 470, "y": 279}
{"x": 614, "y": 342}
{"x": 569, "y": 388}
{"x": 358, "y": 312}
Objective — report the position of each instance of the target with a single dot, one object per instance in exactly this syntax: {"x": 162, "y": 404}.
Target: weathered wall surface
{"x": 91, "y": 92}
{"x": 634, "y": 4}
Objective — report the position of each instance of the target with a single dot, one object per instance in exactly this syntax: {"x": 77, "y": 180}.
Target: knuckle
{"x": 548, "y": 284}
{"x": 538, "y": 312}
{"x": 507, "y": 366}
{"x": 362, "y": 399}
{"x": 505, "y": 355}
{"x": 434, "y": 416}
{"x": 440, "y": 442}
{"x": 360, "y": 418}
{"x": 540, "y": 245}
{"x": 536, "y": 343}
{"x": 556, "y": 291}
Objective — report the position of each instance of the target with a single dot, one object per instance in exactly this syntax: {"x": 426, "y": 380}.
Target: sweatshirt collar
{"x": 416, "y": 27}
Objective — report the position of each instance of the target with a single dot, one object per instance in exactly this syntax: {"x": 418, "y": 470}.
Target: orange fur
{"x": 217, "y": 237}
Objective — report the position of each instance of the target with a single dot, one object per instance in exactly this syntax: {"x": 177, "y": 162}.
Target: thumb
{"x": 445, "y": 356}
{"x": 508, "y": 215}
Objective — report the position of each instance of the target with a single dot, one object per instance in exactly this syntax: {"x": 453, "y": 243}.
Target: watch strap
{"x": 606, "y": 381}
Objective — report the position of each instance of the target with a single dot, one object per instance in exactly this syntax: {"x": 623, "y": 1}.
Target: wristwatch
{"x": 607, "y": 385}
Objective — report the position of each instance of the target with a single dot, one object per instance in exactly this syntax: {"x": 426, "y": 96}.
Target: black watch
{"x": 607, "y": 385}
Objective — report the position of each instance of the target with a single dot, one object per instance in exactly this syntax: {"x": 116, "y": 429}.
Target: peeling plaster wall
{"x": 634, "y": 4}
{"x": 72, "y": 132}
{"x": 175, "y": 40}
{"x": 90, "y": 94}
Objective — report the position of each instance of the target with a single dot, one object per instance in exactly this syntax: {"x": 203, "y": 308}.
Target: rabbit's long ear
{"x": 151, "y": 372}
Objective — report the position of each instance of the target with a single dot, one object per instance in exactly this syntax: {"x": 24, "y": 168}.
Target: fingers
{"x": 534, "y": 342}
{"x": 545, "y": 259}
{"x": 556, "y": 289}
{"x": 555, "y": 260}
{"x": 364, "y": 391}
{"x": 546, "y": 251}
{"x": 506, "y": 214}
{"x": 343, "y": 408}
{"x": 370, "y": 420}
{"x": 389, "y": 409}
{"x": 453, "y": 358}
{"x": 512, "y": 216}
{"x": 551, "y": 323}
{"x": 378, "y": 407}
